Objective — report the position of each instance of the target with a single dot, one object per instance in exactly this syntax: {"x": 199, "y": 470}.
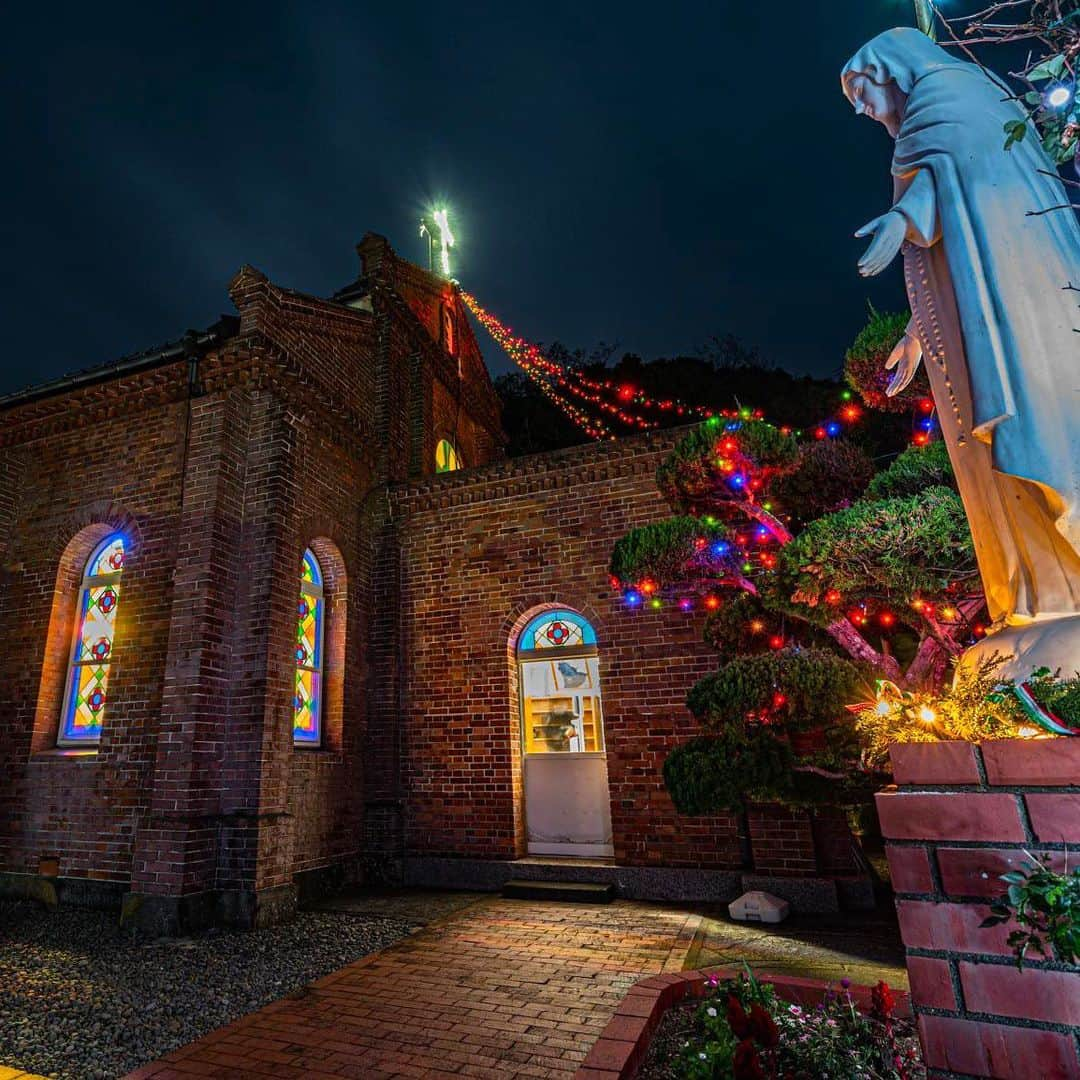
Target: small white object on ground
{"x": 757, "y": 906}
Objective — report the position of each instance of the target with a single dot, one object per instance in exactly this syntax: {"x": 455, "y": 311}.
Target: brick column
{"x": 256, "y": 858}
{"x": 217, "y": 843}
{"x": 959, "y": 816}
{"x": 173, "y": 873}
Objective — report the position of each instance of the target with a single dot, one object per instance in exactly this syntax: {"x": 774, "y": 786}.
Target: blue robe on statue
{"x": 989, "y": 265}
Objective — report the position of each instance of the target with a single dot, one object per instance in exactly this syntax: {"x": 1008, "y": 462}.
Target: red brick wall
{"x": 449, "y": 420}
{"x": 479, "y": 551}
{"x": 452, "y": 395}
{"x": 94, "y": 463}
{"x": 960, "y": 816}
{"x": 220, "y": 474}
{"x": 782, "y": 841}
{"x": 196, "y": 785}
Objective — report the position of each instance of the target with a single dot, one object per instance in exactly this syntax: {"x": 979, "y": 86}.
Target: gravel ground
{"x": 80, "y": 1001}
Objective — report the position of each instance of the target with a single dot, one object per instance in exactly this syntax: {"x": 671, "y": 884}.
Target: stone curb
{"x": 621, "y": 1048}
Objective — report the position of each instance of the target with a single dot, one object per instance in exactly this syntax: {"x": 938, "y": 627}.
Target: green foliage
{"x": 970, "y": 710}
{"x": 729, "y": 629}
{"x": 766, "y": 444}
{"x": 718, "y": 772}
{"x": 689, "y": 476}
{"x": 978, "y": 705}
{"x": 1046, "y": 908}
{"x": 1057, "y": 129}
{"x": 814, "y": 684}
{"x": 916, "y": 469}
{"x": 754, "y": 704}
{"x": 1057, "y": 695}
{"x": 899, "y": 547}
{"x": 1015, "y": 130}
{"x": 828, "y": 475}
{"x": 864, "y": 364}
{"x": 660, "y": 551}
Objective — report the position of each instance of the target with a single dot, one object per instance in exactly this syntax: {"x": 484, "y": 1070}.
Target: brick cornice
{"x": 249, "y": 363}
{"x": 82, "y": 406}
{"x": 590, "y": 463}
{"x": 252, "y": 292}
{"x": 260, "y": 365}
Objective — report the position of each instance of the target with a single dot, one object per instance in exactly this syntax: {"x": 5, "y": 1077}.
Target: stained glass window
{"x": 92, "y": 646}
{"x": 446, "y": 457}
{"x": 557, "y": 630}
{"x": 559, "y": 675}
{"x": 307, "y": 701}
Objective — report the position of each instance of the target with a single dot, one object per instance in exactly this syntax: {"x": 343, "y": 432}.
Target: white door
{"x": 567, "y": 803}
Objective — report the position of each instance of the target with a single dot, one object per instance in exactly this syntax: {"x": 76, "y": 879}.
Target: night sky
{"x": 649, "y": 175}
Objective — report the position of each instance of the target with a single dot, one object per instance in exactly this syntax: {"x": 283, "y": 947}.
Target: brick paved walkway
{"x": 503, "y": 988}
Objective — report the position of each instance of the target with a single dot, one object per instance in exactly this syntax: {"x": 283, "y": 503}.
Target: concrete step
{"x": 574, "y": 892}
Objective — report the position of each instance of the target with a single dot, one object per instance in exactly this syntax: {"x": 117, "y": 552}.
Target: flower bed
{"x": 622, "y": 1047}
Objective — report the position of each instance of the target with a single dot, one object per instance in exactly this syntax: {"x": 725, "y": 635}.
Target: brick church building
{"x": 281, "y": 614}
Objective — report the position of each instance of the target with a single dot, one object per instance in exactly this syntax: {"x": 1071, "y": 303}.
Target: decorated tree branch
{"x": 1045, "y": 83}
{"x": 819, "y": 577}
{"x": 893, "y": 559}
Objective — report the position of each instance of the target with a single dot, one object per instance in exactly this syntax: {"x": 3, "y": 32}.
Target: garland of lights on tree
{"x": 735, "y": 554}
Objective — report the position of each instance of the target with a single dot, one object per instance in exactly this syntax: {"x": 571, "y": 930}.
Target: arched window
{"x": 559, "y": 672}
{"x": 92, "y": 645}
{"x": 307, "y": 702}
{"x": 446, "y": 457}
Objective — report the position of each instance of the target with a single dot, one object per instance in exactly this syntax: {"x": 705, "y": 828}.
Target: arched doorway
{"x": 567, "y": 805}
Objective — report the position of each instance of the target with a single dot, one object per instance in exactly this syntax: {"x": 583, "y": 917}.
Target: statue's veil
{"x": 903, "y": 54}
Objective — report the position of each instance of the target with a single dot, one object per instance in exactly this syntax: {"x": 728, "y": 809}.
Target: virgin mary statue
{"x": 988, "y": 264}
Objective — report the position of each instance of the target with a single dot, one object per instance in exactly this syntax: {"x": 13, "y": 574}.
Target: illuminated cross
{"x": 439, "y": 223}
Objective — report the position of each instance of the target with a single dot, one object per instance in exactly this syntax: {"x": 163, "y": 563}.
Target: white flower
{"x": 711, "y": 1011}
{"x": 703, "y": 1057}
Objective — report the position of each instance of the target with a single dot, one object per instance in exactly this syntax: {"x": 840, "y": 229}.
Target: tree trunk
{"x": 856, "y": 646}
{"x": 929, "y": 666}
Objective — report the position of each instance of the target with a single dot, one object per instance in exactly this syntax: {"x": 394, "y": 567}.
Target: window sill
{"x": 321, "y": 752}
{"x": 77, "y": 753}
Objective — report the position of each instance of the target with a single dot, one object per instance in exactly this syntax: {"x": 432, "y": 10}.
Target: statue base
{"x": 1049, "y": 643}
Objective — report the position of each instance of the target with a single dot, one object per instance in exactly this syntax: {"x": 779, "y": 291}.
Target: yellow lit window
{"x": 446, "y": 457}
{"x": 559, "y": 672}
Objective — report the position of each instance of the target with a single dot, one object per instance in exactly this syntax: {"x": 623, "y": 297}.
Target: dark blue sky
{"x": 651, "y": 175}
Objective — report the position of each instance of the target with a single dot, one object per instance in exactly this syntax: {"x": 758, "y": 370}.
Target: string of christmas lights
{"x": 553, "y": 378}
{"x": 746, "y": 551}
{"x": 540, "y": 370}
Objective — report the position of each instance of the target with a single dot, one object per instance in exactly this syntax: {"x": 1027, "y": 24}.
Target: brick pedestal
{"x": 959, "y": 816}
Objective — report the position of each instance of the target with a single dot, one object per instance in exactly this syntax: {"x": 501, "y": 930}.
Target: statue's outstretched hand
{"x": 888, "y": 231}
{"x": 906, "y": 358}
